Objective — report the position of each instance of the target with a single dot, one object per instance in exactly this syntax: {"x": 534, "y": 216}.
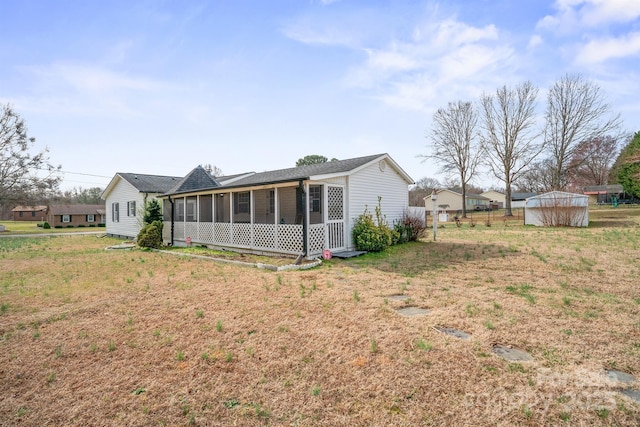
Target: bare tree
{"x": 576, "y": 112}
{"x": 213, "y": 170}
{"x": 510, "y": 136}
{"x": 21, "y": 173}
{"x": 591, "y": 162}
{"x": 455, "y": 143}
{"x": 422, "y": 189}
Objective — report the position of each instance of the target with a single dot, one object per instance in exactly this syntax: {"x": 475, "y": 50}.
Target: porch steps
{"x": 348, "y": 254}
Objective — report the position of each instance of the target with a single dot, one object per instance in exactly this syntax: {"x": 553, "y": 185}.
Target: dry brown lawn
{"x": 95, "y": 337}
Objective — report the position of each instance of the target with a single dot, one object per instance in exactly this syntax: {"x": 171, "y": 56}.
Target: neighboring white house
{"x": 125, "y": 199}
{"x": 557, "y": 208}
{"x": 301, "y": 210}
{"x": 451, "y": 201}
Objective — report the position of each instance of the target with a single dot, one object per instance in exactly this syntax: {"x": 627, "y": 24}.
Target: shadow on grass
{"x": 414, "y": 258}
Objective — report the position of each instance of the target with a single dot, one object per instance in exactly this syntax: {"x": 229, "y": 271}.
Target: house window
{"x": 20, "y": 214}
{"x": 131, "y": 208}
{"x": 115, "y": 212}
{"x": 66, "y": 218}
{"x": 33, "y": 213}
{"x": 315, "y": 198}
{"x": 91, "y": 218}
{"x": 241, "y": 203}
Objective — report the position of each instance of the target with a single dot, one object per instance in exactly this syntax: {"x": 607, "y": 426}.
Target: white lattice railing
{"x": 280, "y": 238}
{"x": 316, "y": 239}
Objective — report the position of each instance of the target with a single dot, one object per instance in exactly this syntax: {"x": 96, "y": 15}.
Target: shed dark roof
{"x": 522, "y": 196}
{"x": 150, "y": 183}
{"x": 197, "y": 179}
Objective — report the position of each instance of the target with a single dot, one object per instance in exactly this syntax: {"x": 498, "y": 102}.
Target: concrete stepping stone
{"x": 632, "y": 394}
{"x": 620, "y": 376}
{"x": 453, "y": 332}
{"x": 512, "y": 354}
{"x": 412, "y": 311}
{"x": 398, "y": 297}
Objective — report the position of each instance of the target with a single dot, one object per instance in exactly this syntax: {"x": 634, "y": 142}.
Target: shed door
{"x": 335, "y": 218}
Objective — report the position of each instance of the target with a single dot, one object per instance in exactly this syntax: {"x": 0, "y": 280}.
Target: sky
{"x": 160, "y": 87}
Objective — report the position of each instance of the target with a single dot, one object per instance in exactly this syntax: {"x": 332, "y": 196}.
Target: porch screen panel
{"x": 242, "y": 207}
{"x": 223, "y": 214}
{"x": 166, "y": 210}
{"x": 206, "y": 209}
{"x": 179, "y": 210}
{"x": 264, "y": 207}
{"x": 191, "y": 212}
{"x": 287, "y": 205}
{"x": 315, "y": 204}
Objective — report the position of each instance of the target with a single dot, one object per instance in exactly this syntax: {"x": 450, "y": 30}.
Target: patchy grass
{"x": 147, "y": 338}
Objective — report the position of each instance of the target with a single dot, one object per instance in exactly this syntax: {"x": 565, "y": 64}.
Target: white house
{"x": 294, "y": 211}
{"x": 451, "y": 201}
{"x": 125, "y": 198}
{"x": 557, "y": 208}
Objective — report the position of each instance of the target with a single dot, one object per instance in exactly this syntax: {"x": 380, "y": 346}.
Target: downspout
{"x": 172, "y": 225}
{"x": 304, "y": 218}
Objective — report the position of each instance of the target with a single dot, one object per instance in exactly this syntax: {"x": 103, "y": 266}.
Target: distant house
{"x": 125, "y": 198}
{"x": 75, "y": 215}
{"x": 296, "y": 211}
{"x": 29, "y": 213}
{"x": 557, "y": 208}
{"x": 451, "y": 201}
{"x": 518, "y": 200}
{"x": 604, "y": 194}
{"x": 497, "y": 199}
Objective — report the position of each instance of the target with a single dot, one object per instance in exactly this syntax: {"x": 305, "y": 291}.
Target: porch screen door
{"x": 335, "y": 218}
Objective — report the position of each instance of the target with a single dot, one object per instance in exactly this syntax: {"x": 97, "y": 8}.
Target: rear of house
{"x": 29, "y": 213}
{"x": 294, "y": 211}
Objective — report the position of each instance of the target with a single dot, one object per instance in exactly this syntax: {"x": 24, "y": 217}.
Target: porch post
{"x": 305, "y": 217}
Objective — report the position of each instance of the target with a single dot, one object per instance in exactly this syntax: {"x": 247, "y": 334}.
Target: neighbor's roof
{"x": 522, "y": 196}
{"x": 143, "y": 183}
{"x": 308, "y": 172}
{"x": 603, "y": 189}
{"x": 76, "y": 209}
{"x": 28, "y": 208}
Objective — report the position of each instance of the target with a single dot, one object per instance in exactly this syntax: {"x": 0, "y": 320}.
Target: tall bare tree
{"x": 455, "y": 143}
{"x": 576, "y": 112}
{"x": 23, "y": 176}
{"x": 510, "y": 136}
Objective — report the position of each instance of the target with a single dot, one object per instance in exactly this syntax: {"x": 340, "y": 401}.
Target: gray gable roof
{"x": 304, "y": 172}
{"x": 150, "y": 183}
{"x": 197, "y": 179}
{"x": 522, "y": 196}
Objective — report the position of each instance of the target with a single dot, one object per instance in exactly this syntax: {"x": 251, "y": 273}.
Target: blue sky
{"x": 159, "y": 87}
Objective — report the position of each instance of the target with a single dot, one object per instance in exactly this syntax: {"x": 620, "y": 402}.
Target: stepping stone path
{"x": 412, "y": 311}
{"x": 624, "y": 378}
{"x": 512, "y": 354}
{"x": 453, "y": 332}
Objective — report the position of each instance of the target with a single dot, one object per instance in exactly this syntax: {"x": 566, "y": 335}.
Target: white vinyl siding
{"x": 364, "y": 188}
{"x": 124, "y": 194}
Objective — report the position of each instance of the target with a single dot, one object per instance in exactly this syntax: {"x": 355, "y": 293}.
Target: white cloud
{"x": 575, "y": 15}
{"x": 600, "y": 50}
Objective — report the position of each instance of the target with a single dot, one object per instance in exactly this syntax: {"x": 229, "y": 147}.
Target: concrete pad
{"x": 412, "y": 311}
{"x": 620, "y": 376}
{"x": 512, "y": 354}
{"x": 453, "y": 332}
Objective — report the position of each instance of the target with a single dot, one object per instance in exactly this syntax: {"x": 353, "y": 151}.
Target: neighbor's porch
{"x": 278, "y": 220}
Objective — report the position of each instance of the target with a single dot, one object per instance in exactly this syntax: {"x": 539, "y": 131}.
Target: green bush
{"x": 46, "y": 226}
{"x": 58, "y": 226}
{"x": 372, "y": 235}
{"x": 92, "y": 225}
{"x": 150, "y": 235}
{"x": 81, "y": 225}
{"x": 101, "y": 225}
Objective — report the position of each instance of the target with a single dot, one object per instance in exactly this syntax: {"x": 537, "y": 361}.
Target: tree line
{"x": 572, "y": 145}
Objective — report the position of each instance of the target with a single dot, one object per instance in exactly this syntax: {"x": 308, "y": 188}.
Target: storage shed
{"x": 557, "y": 209}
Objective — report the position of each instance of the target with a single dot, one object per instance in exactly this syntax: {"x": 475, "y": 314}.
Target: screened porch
{"x": 289, "y": 220}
